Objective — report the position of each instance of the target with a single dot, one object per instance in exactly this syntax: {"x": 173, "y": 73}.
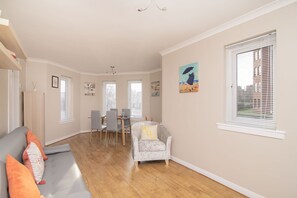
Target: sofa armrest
{"x": 57, "y": 149}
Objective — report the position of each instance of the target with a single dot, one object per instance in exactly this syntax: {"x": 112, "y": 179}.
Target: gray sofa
{"x": 62, "y": 175}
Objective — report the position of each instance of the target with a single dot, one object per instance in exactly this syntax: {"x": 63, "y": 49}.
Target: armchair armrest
{"x": 135, "y": 148}
{"x": 165, "y": 136}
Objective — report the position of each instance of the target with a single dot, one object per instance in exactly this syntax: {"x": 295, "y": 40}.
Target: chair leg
{"x": 100, "y": 136}
{"x": 136, "y": 164}
{"x": 90, "y": 137}
{"x": 106, "y": 136}
{"x": 116, "y": 137}
{"x": 167, "y": 162}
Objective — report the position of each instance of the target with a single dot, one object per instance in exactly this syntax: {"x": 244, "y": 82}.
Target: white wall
{"x": 54, "y": 128}
{"x": 263, "y": 165}
{"x": 89, "y": 103}
{"x": 36, "y": 72}
{"x": 156, "y": 102}
{"x": 41, "y": 73}
{"x": 3, "y": 102}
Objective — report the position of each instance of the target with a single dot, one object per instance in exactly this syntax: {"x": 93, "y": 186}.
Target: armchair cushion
{"x": 149, "y": 132}
{"x": 151, "y": 146}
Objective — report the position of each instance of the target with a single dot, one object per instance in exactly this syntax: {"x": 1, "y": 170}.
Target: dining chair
{"x": 116, "y": 110}
{"x": 127, "y": 122}
{"x": 112, "y": 125}
{"x": 96, "y": 124}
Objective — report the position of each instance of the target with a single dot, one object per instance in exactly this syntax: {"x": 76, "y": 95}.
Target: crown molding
{"x": 275, "y": 5}
{"x": 43, "y": 61}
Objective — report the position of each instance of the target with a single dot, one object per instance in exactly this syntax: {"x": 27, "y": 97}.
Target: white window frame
{"x": 104, "y": 95}
{"x": 242, "y": 124}
{"x": 129, "y": 97}
{"x": 69, "y": 99}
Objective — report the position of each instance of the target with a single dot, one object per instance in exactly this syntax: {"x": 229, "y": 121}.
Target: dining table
{"x": 122, "y": 119}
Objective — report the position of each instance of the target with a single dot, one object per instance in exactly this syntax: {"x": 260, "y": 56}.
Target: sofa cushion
{"x": 33, "y": 160}
{"x": 32, "y": 138}
{"x": 151, "y": 146}
{"x": 62, "y": 176}
{"x": 20, "y": 180}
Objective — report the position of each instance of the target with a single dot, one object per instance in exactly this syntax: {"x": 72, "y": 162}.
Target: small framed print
{"x": 55, "y": 82}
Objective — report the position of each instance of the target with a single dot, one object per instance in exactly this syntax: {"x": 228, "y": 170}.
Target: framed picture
{"x": 89, "y": 88}
{"x": 155, "y": 86}
{"x": 188, "y": 78}
{"x": 55, "y": 82}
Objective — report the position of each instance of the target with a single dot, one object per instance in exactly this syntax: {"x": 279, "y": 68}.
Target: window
{"x": 250, "y": 99}
{"x": 255, "y": 103}
{"x": 66, "y": 98}
{"x": 260, "y": 87}
{"x": 109, "y": 96}
{"x": 135, "y": 98}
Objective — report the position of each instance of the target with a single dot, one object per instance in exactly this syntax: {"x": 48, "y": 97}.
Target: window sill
{"x": 252, "y": 130}
{"x": 66, "y": 121}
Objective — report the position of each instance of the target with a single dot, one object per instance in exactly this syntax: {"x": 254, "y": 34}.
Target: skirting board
{"x": 221, "y": 180}
{"x": 64, "y": 137}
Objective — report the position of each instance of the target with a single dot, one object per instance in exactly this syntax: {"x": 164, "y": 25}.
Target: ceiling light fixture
{"x": 149, "y": 5}
{"x": 112, "y": 70}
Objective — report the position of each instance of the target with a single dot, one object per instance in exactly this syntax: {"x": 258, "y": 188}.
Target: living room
{"x": 255, "y": 160}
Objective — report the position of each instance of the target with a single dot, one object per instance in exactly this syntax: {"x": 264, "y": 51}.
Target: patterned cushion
{"x": 32, "y": 138}
{"x": 149, "y": 132}
{"x": 33, "y": 160}
{"x": 151, "y": 146}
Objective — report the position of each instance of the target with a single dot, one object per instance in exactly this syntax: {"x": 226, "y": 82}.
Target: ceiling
{"x": 91, "y": 35}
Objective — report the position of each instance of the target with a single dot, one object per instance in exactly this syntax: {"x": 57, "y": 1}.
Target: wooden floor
{"x": 109, "y": 172}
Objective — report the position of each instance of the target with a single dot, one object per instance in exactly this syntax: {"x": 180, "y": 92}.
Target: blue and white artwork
{"x": 188, "y": 78}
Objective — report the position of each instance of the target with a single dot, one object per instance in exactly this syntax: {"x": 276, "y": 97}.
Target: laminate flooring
{"x": 109, "y": 171}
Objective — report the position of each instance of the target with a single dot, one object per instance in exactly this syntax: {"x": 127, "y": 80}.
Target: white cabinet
{"x": 34, "y": 113}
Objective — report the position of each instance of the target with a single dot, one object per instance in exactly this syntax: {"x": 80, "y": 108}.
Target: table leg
{"x": 123, "y": 131}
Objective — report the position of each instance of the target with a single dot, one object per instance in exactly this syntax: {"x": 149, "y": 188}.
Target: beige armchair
{"x": 148, "y": 150}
